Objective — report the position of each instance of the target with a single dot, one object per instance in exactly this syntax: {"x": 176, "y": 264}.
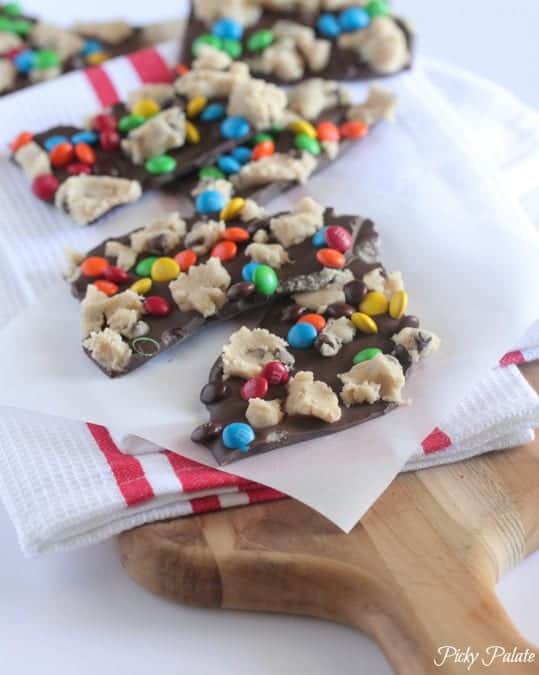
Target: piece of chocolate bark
{"x": 152, "y": 289}
{"x": 273, "y": 163}
{"x": 318, "y": 362}
{"x": 33, "y": 51}
{"x": 290, "y": 40}
{"x": 165, "y": 132}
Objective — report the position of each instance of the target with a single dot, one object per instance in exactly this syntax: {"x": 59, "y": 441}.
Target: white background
{"x": 78, "y": 613}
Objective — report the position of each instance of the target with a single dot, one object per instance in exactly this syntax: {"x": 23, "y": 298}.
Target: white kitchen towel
{"x": 61, "y": 489}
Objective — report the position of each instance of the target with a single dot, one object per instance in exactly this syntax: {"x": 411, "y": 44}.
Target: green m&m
{"x": 46, "y": 58}
{"x": 12, "y": 9}
{"x": 366, "y": 355}
{"x": 210, "y": 172}
{"x": 304, "y": 142}
{"x": 160, "y": 164}
{"x": 377, "y": 8}
{"x": 232, "y": 48}
{"x": 260, "y": 40}
{"x": 205, "y": 39}
{"x": 265, "y": 280}
{"x": 129, "y": 122}
{"x": 144, "y": 267}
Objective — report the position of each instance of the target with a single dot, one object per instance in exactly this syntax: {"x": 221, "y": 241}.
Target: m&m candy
{"x": 328, "y": 26}
{"x": 316, "y": 320}
{"x": 353, "y": 18}
{"x": 227, "y": 29}
{"x": 209, "y": 201}
{"x": 52, "y": 141}
{"x": 302, "y": 335}
{"x": 228, "y": 164}
{"x": 155, "y": 305}
{"x": 185, "y": 259}
{"x": 330, "y": 257}
{"x": 248, "y": 271}
{"x": 44, "y": 187}
{"x": 225, "y": 250}
{"x": 213, "y": 112}
{"x": 338, "y": 238}
{"x": 255, "y": 387}
{"x": 238, "y": 436}
{"x": 275, "y": 372}
{"x": 94, "y": 266}
{"x": 366, "y": 355}
{"x": 235, "y": 127}
{"x": 265, "y": 280}
{"x": 319, "y": 238}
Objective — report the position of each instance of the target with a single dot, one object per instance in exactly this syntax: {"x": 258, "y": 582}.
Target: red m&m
{"x": 155, "y": 305}
{"x": 61, "y": 154}
{"x": 45, "y": 186}
{"x": 354, "y": 130}
{"x": 338, "y": 238}
{"x": 103, "y": 122}
{"x": 117, "y": 275}
{"x": 275, "y": 372}
{"x": 110, "y": 140}
{"x": 256, "y": 387}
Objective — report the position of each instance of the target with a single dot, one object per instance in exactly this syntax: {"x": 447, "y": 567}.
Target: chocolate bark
{"x": 227, "y": 405}
{"x": 343, "y": 64}
{"x": 302, "y": 272}
{"x": 94, "y": 50}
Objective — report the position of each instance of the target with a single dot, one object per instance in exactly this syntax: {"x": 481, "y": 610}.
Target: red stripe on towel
{"x": 194, "y": 476}
{"x": 102, "y": 85}
{"x": 127, "y": 470}
{"x": 435, "y": 441}
{"x": 151, "y": 67}
{"x": 512, "y": 358}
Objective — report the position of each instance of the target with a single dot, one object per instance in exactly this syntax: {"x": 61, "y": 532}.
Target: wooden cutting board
{"x": 418, "y": 572}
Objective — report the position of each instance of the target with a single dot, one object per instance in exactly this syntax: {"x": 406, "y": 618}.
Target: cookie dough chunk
{"x": 125, "y": 255}
{"x": 262, "y": 414}
{"x": 211, "y": 83}
{"x": 382, "y": 45}
{"x": 202, "y": 289}
{"x": 294, "y": 228}
{"x": 161, "y": 236}
{"x": 163, "y": 132}
{"x": 86, "y": 198}
{"x": 313, "y": 398}
{"x": 418, "y": 342}
{"x": 33, "y": 160}
{"x": 261, "y": 103}
{"x": 111, "y": 32}
{"x": 337, "y": 332}
{"x": 248, "y": 351}
{"x": 273, "y": 255}
{"x": 278, "y": 167}
{"x": 107, "y": 348}
{"x": 318, "y": 301}
{"x": 380, "y": 378}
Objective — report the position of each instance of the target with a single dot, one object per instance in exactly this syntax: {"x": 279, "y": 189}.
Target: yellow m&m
{"x": 165, "y": 269}
{"x": 398, "y": 304}
{"x": 374, "y": 303}
{"x": 364, "y": 323}
{"x": 146, "y": 107}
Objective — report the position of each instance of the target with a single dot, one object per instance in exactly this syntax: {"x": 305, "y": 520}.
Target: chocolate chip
{"x": 206, "y": 432}
{"x": 292, "y": 313}
{"x": 213, "y": 392}
{"x": 339, "y": 309}
{"x": 354, "y": 292}
{"x": 402, "y": 356}
{"x": 408, "y": 321}
{"x": 239, "y": 291}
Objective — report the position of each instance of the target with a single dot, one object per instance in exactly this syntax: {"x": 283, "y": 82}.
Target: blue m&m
{"x": 235, "y": 127}
{"x": 328, "y": 26}
{"x": 92, "y": 47}
{"x": 89, "y": 137}
{"x": 301, "y": 335}
{"x": 228, "y": 164}
{"x": 53, "y": 141}
{"x": 248, "y": 271}
{"x": 353, "y": 18}
{"x": 238, "y": 436}
{"x": 24, "y": 61}
{"x": 227, "y": 29}
{"x": 319, "y": 238}
{"x": 213, "y": 112}
{"x": 241, "y": 154}
{"x": 209, "y": 201}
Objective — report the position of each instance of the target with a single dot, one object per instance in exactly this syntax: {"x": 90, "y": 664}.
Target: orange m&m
{"x": 263, "y": 149}
{"x": 327, "y": 131}
{"x": 224, "y": 250}
{"x": 94, "y": 266}
{"x": 330, "y": 257}
{"x": 354, "y": 130}
{"x": 316, "y": 320}
{"x": 61, "y": 154}
{"x": 22, "y": 139}
{"x": 107, "y": 287}
{"x": 185, "y": 259}
{"x": 235, "y": 234}
{"x": 85, "y": 153}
